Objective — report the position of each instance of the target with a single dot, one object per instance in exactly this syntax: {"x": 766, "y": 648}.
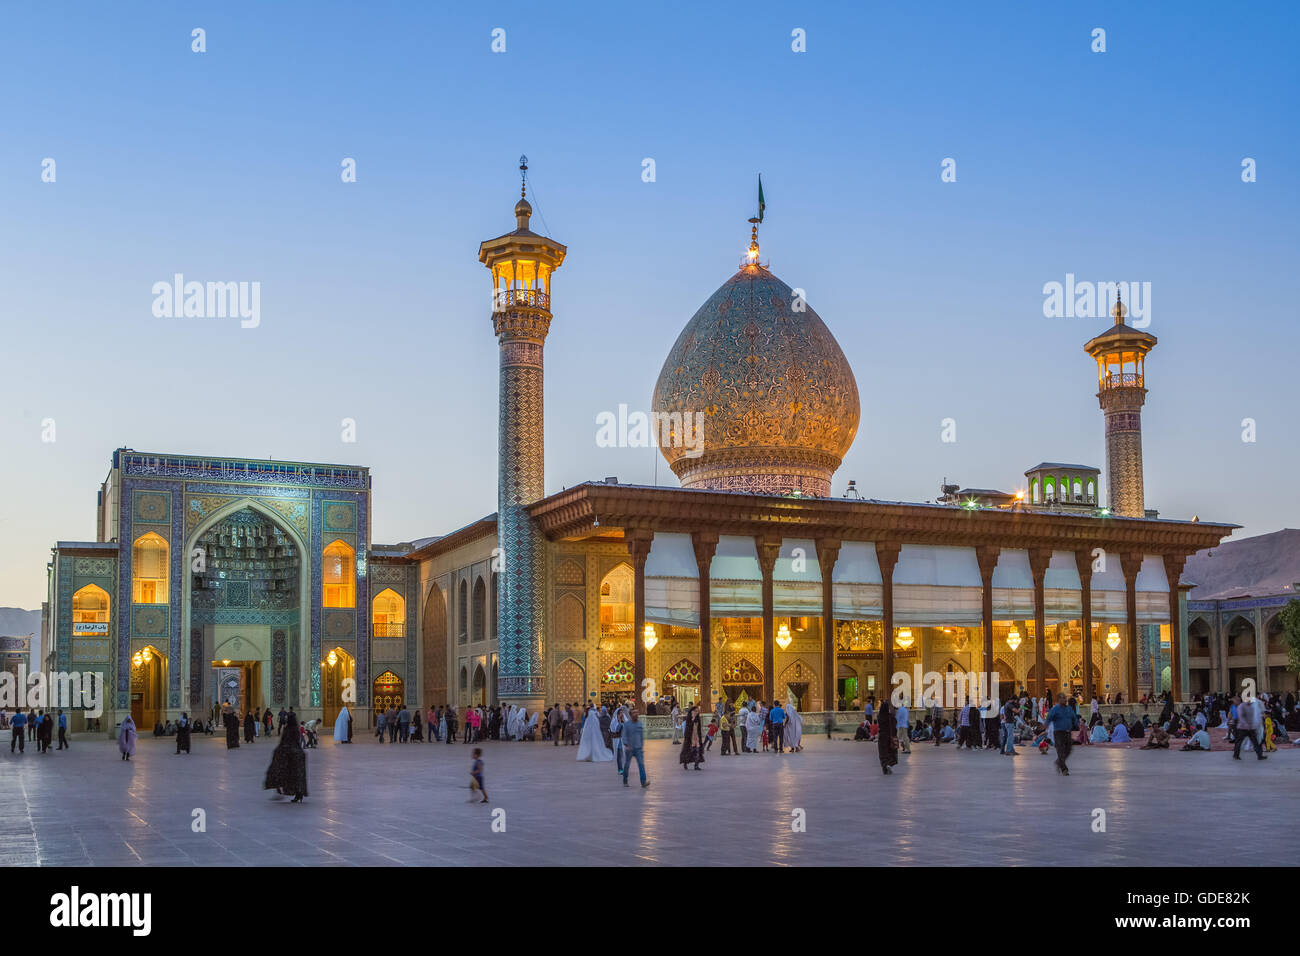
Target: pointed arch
{"x": 338, "y": 575}
{"x": 149, "y": 570}
{"x": 480, "y": 610}
{"x": 434, "y": 643}
{"x": 388, "y": 614}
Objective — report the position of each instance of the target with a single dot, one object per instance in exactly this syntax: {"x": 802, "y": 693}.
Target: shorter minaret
{"x": 1121, "y": 353}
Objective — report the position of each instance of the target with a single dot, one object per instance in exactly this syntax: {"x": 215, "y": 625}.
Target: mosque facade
{"x": 257, "y": 582}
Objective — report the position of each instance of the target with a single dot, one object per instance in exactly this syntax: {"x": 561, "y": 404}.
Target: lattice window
{"x": 620, "y": 673}
{"x": 683, "y": 672}
{"x": 742, "y": 672}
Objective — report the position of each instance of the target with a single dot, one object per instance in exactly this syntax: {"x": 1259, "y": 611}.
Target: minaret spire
{"x": 752, "y": 255}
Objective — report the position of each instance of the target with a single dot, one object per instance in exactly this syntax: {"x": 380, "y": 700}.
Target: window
{"x": 462, "y": 613}
{"x": 149, "y": 570}
{"x": 388, "y": 614}
{"x": 1033, "y": 491}
{"x": 90, "y": 607}
{"x": 480, "y": 609}
{"x": 1092, "y": 490}
{"x": 339, "y": 575}
{"x": 1078, "y": 489}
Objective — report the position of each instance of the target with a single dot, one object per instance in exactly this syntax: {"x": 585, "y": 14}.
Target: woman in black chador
{"x": 692, "y": 739}
{"x": 231, "y": 720}
{"x": 886, "y": 739}
{"x": 183, "y": 733}
{"x": 250, "y": 728}
{"x": 288, "y": 771}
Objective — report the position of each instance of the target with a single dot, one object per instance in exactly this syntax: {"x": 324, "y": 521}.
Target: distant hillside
{"x": 15, "y": 622}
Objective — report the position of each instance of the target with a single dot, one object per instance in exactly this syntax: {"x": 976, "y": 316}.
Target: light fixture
{"x": 1112, "y": 639}
{"x": 1013, "y": 638}
{"x": 137, "y": 660}
{"x": 147, "y": 655}
{"x": 225, "y": 663}
{"x": 651, "y": 639}
{"x": 333, "y": 658}
{"x": 904, "y": 637}
{"x": 783, "y": 637}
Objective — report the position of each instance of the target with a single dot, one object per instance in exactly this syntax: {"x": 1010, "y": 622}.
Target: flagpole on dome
{"x": 753, "y": 230}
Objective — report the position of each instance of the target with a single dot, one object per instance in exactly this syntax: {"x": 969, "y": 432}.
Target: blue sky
{"x": 1123, "y": 165}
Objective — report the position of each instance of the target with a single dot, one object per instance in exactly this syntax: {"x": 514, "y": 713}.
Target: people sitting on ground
{"x": 1200, "y": 741}
{"x": 1159, "y": 740}
{"x": 863, "y": 732}
{"x": 1099, "y": 735}
{"x": 158, "y": 729}
{"x": 1120, "y": 734}
{"x": 946, "y": 734}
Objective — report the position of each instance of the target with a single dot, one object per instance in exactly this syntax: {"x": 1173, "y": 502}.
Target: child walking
{"x": 476, "y": 776}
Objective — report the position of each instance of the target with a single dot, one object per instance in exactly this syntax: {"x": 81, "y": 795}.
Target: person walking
{"x": 692, "y": 738}
{"x": 1062, "y": 720}
{"x": 886, "y": 737}
{"x": 903, "y": 720}
{"x": 1249, "y": 713}
{"x": 183, "y": 731}
{"x": 555, "y": 723}
{"x": 633, "y": 737}
{"x": 287, "y": 773}
{"x": 63, "y": 731}
{"x": 45, "y": 732}
{"x": 126, "y": 737}
{"x": 404, "y": 725}
{"x": 1008, "y": 715}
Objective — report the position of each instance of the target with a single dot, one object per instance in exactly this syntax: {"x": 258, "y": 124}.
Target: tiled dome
{"x": 778, "y": 397}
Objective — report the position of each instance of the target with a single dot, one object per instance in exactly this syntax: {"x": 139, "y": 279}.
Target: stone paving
{"x": 406, "y": 805}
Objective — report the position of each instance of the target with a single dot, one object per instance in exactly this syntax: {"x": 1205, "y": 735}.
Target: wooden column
{"x": 705, "y": 543}
{"x": 1131, "y": 563}
{"x": 887, "y": 557}
{"x": 828, "y": 552}
{"x": 1039, "y": 558}
{"x": 987, "y": 556}
{"x": 1173, "y": 571}
{"x": 638, "y": 546}
{"x": 1083, "y": 561}
{"x": 769, "y": 547}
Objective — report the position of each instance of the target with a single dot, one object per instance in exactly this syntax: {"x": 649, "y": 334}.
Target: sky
{"x": 225, "y": 165}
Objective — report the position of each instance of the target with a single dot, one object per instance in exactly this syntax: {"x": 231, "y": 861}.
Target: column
{"x": 887, "y": 557}
{"x": 1083, "y": 561}
{"x": 828, "y": 552}
{"x": 1261, "y": 651}
{"x": 1177, "y": 636}
{"x": 1131, "y": 563}
{"x": 705, "y": 543}
{"x": 768, "y": 548}
{"x": 638, "y": 546}
{"x": 987, "y": 556}
{"x": 1039, "y": 558}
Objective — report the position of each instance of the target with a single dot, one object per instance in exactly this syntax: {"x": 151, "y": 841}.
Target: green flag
{"x": 761, "y": 204}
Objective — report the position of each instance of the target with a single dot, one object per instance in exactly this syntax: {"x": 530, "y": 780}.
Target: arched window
{"x": 1049, "y": 488}
{"x": 462, "y": 613}
{"x": 480, "y": 609}
{"x": 149, "y": 570}
{"x": 388, "y": 614}
{"x": 1092, "y": 491}
{"x": 1078, "y": 489}
{"x": 1033, "y": 491}
{"x": 339, "y": 575}
{"x": 90, "y": 607}
{"x": 492, "y": 599}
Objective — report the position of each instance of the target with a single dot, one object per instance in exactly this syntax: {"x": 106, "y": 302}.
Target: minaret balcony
{"x": 1122, "y": 380}
{"x": 506, "y": 299}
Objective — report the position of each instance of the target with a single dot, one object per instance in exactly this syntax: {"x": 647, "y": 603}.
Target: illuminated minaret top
{"x": 1121, "y": 353}
{"x": 521, "y": 263}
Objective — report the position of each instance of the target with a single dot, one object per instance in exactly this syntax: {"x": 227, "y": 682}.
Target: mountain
{"x": 1266, "y": 564}
{"x": 15, "y": 622}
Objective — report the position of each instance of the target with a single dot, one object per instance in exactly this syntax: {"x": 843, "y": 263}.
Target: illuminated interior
{"x": 338, "y": 575}
{"x": 338, "y": 682}
{"x": 149, "y": 570}
{"x": 388, "y": 614}
{"x": 90, "y": 607}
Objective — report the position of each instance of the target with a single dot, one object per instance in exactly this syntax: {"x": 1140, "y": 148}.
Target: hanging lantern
{"x": 1112, "y": 639}
{"x": 904, "y": 637}
{"x": 137, "y": 660}
{"x": 783, "y": 637}
{"x": 147, "y": 655}
{"x": 651, "y": 639}
{"x": 1013, "y": 638}
{"x": 332, "y": 659}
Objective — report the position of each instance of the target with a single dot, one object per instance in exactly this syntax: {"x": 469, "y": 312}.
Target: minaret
{"x": 521, "y": 263}
{"x": 1121, "y": 353}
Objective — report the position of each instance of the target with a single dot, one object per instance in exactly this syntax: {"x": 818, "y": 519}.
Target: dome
{"x": 778, "y": 399}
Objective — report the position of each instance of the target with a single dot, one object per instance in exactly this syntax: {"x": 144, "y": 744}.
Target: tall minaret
{"x": 521, "y": 263}
{"x": 1121, "y": 353}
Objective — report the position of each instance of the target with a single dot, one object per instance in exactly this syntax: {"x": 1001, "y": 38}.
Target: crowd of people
{"x": 36, "y": 726}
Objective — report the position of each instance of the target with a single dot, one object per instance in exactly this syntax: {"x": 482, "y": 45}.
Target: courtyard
{"x": 386, "y": 805}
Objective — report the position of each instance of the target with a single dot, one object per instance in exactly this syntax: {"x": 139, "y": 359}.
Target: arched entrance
{"x": 618, "y": 683}
{"x": 244, "y": 604}
{"x": 388, "y": 691}
{"x": 682, "y": 681}
{"x": 478, "y": 693}
{"x": 742, "y": 680}
{"x": 1078, "y": 687}
{"x": 148, "y": 688}
{"x": 796, "y": 684}
{"x": 1053, "y": 679}
{"x": 338, "y": 683}
{"x": 434, "y": 642}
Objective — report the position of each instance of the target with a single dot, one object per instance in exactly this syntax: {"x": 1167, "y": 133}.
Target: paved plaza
{"x": 406, "y": 805}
